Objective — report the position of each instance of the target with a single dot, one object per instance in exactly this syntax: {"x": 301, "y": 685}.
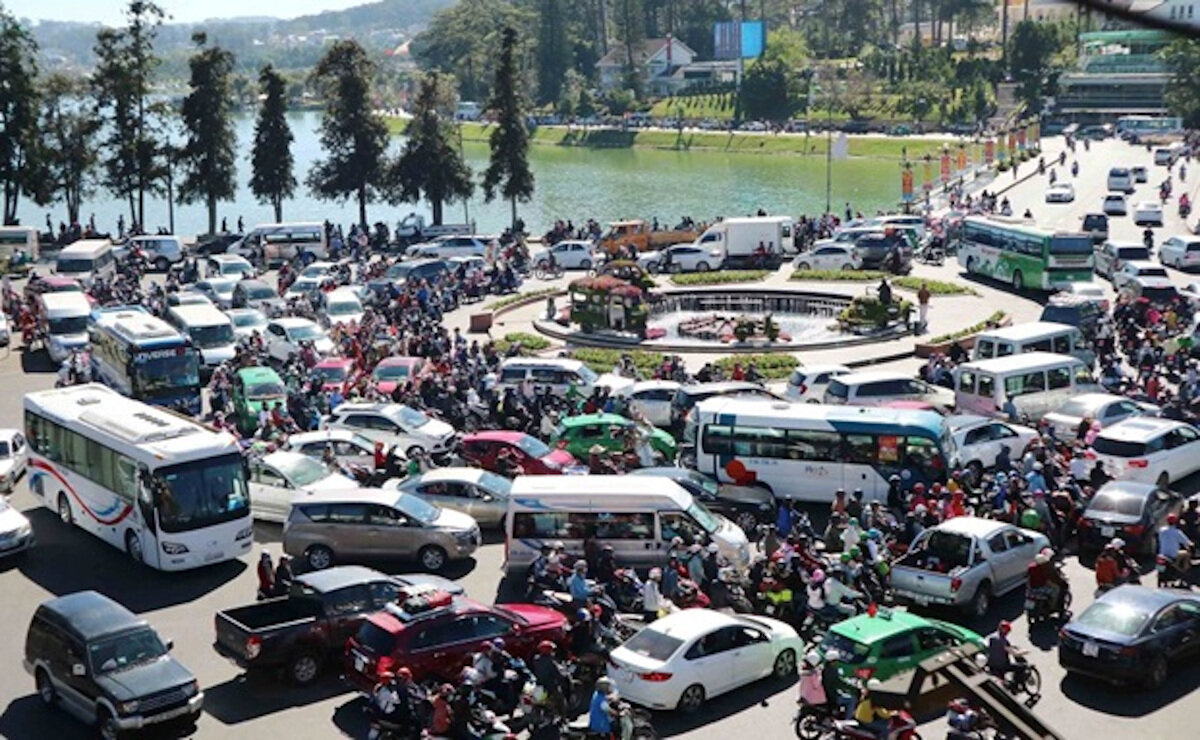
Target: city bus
{"x": 807, "y": 451}
{"x": 1149, "y": 125}
{"x": 168, "y": 491}
{"x": 145, "y": 358}
{"x": 1023, "y": 255}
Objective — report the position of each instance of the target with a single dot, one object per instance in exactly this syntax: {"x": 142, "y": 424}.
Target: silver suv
{"x": 370, "y": 523}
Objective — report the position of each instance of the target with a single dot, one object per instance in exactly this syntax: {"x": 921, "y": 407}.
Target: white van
{"x": 638, "y": 521}
{"x": 63, "y": 319}
{"x": 15, "y": 239}
{"x": 557, "y": 374}
{"x": 880, "y": 387}
{"x": 87, "y": 261}
{"x": 209, "y": 328}
{"x": 1120, "y": 179}
{"x": 1038, "y": 382}
{"x": 161, "y": 250}
{"x": 901, "y": 221}
{"x": 1167, "y": 155}
{"x": 283, "y": 242}
{"x": 1034, "y": 336}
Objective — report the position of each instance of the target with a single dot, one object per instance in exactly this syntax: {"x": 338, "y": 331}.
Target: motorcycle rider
{"x": 1111, "y": 570}
{"x": 578, "y": 584}
{"x": 812, "y": 691}
{"x": 385, "y": 699}
{"x": 492, "y": 664}
{"x": 825, "y": 597}
{"x": 831, "y": 682}
{"x": 652, "y": 597}
{"x": 870, "y": 717}
{"x": 963, "y": 720}
{"x": 1174, "y": 545}
{"x": 1045, "y": 579}
{"x": 602, "y": 708}
{"x": 551, "y": 676}
{"x": 1000, "y": 652}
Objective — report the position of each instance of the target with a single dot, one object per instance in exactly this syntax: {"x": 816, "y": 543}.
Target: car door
{"x": 1000, "y": 435}
{"x": 977, "y": 446}
{"x": 753, "y": 654}
{"x": 897, "y": 653}
{"x": 270, "y": 492}
{"x": 1001, "y": 561}
{"x": 932, "y": 641}
{"x": 712, "y": 663}
{"x": 344, "y": 611}
{"x": 388, "y": 533}
{"x": 277, "y": 342}
{"x": 20, "y": 454}
{"x": 1022, "y": 549}
{"x": 440, "y": 648}
{"x": 1185, "y": 453}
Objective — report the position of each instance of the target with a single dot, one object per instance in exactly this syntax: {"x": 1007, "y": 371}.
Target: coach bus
{"x": 168, "y": 491}
{"x": 807, "y": 451}
{"x": 145, "y": 358}
{"x": 1023, "y": 255}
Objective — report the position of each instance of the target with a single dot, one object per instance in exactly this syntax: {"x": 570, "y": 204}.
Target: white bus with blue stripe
{"x": 145, "y": 358}
{"x": 807, "y": 451}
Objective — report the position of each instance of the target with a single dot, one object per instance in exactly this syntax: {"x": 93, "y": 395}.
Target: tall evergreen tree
{"x": 210, "y": 154}
{"x": 431, "y": 163}
{"x": 19, "y": 140}
{"x": 508, "y": 169}
{"x": 553, "y": 56}
{"x": 631, "y": 29}
{"x": 69, "y": 133}
{"x": 354, "y": 137}
{"x": 271, "y": 162}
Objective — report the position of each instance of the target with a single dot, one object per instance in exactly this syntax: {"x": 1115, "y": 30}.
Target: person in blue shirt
{"x": 1035, "y": 479}
{"x": 578, "y": 585}
{"x": 601, "y": 708}
{"x": 1174, "y": 545}
{"x": 1010, "y": 409}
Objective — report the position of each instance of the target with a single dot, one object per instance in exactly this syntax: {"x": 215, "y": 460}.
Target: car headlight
{"x": 128, "y": 707}
{"x": 25, "y": 530}
{"x": 191, "y": 689}
{"x": 174, "y": 548}
{"x": 245, "y": 533}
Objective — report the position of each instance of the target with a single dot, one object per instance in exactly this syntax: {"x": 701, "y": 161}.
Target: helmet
{"x": 604, "y": 684}
{"x": 558, "y": 545}
{"x": 882, "y": 568}
{"x": 1005, "y": 627}
{"x": 582, "y": 615}
{"x": 832, "y": 655}
{"x": 1172, "y": 519}
{"x": 874, "y": 534}
{"x": 958, "y": 705}
{"x": 1037, "y": 466}
{"x": 1001, "y": 477}
{"x": 498, "y": 643}
{"x": 386, "y": 675}
{"x": 874, "y": 683}
{"x": 840, "y": 492}
{"x": 812, "y": 657}
{"x": 695, "y": 547}
{"x": 863, "y": 537}
{"x": 581, "y": 565}
{"x": 919, "y": 488}
{"x": 1118, "y": 543}
{"x": 712, "y": 547}
{"x": 404, "y": 672}
{"x": 818, "y": 576}
{"x": 655, "y": 574}
{"x": 446, "y": 689}
{"x": 1041, "y": 558}
{"x": 893, "y": 478}
{"x": 845, "y": 557}
{"x": 920, "y": 509}
{"x": 676, "y": 542}
{"x": 1048, "y": 552}
{"x": 855, "y": 552}
{"x": 858, "y": 493}
{"x": 470, "y": 676}
{"x": 545, "y": 647}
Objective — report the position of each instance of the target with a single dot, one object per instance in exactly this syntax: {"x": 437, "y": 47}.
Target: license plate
{"x": 213, "y": 557}
{"x": 1028, "y": 604}
{"x": 1091, "y": 649}
{"x": 1107, "y": 531}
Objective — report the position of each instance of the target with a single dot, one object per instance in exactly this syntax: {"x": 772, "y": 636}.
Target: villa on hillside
{"x": 666, "y": 65}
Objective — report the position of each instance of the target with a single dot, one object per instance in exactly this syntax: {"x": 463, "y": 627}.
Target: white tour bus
{"x": 638, "y": 521}
{"x": 1037, "y": 382}
{"x": 807, "y": 451}
{"x": 87, "y": 260}
{"x": 168, "y": 491}
{"x": 1033, "y": 336}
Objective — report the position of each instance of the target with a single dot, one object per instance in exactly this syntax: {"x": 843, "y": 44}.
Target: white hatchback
{"x": 978, "y": 440}
{"x": 686, "y": 658}
{"x": 1148, "y": 213}
{"x": 284, "y": 337}
{"x": 1137, "y": 269}
{"x": 1180, "y": 252}
{"x": 829, "y": 257}
{"x": 652, "y": 399}
{"x": 14, "y": 457}
{"x": 1115, "y": 205}
{"x": 682, "y": 258}
{"x": 277, "y": 478}
{"x": 1160, "y": 451}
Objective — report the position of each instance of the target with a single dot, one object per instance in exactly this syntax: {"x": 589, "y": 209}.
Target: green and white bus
{"x": 1023, "y": 255}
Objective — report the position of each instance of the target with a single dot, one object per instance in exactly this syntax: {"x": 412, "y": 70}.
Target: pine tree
{"x": 431, "y": 163}
{"x": 19, "y": 140}
{"x": 354, "y": 137}
{"x": 553, "y": 54}
{"x": 210, "y": 155}
{"x": 508, "y": 169}
{"x": 271, "y": 162}
{"x": 69, "y": 132}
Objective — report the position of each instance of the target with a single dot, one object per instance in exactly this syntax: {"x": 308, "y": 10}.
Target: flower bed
{"x": 719, "y": 278}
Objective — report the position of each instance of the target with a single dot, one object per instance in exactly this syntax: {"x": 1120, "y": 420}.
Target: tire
{"x": 747, "y": 521}
{"x": 807, "y": 728}
{"x": 413, "y": 451}
{"x": 133, "y": 547}
{"x": 107, "y": 724}
{"x": 45, "y": 687}
{"x": 318, "y": 557}
{"x": 982, "y": 601}
{"x": 785, "y": 665}
{"x": 432, "y": 558}
{"x": 691, "y": 699}
{"x": 803, "y": 266}
{"x": 161, "y": 264}
{"x": 1018, "y": 281}
{"x": 1032, "y": 685}
{"x": 65, "y": 515}
{"x": 1157, "y": 675}
{"x": 847, "y": 267}
{"x": 303, "y": 667}
{"x": 585, "y": 265}
{"x": 702, "y": 267}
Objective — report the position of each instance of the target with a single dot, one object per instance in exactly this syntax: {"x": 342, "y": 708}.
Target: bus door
{"x": 148, "y": 496}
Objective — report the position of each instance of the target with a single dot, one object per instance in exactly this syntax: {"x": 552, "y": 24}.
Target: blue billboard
{"x": 739, "y": 40}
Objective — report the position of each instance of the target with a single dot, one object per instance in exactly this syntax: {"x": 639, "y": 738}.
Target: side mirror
{"x": 169, "y": 645}
{"x": 77, "y": 669}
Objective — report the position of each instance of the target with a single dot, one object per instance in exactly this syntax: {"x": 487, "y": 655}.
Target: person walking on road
{"x": 923, "y": 296}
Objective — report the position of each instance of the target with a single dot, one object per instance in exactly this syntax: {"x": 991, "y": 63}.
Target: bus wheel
{"x": 64, "y": 510}
{"x": 133, "y": 546}
{"x": 1018, "y": 281}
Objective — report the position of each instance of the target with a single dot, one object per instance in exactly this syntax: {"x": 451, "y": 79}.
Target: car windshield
{"x": 303, "y": 471}
{"x": 157, "y": 371}
{"x": 314, "y": 271}
{"x": 331, "y": 373}
{"x": 1109, "y": 503}
{"x": 68, "y": 325}
{"x": 410, "y": 418}
{"x": 259, "y": 292}
{"x": 1123, "y": 619}
{"x": 650, "y": 643}
{"x": 1118, "y": 447}
{"x": 417, "y": 508}
{"x": 533, "y": 446}
{"x": 74, "y": 265}
{"x": 305, "y": 333}
{"x": 495, "y": 483}
{"x": 396, "y": 272}
{"x": 201, "y": 493}
{"x": 125, "y": 650}
{"x": 265, "y": 390}
{"x": 390, "y": 372}
{"x": 703, "y": 517}
{"x": 222, "y": 287}
{"x": 248, "y": 320}
{"x": 852, "y": 652}
{"x": 206, "y": 337}
{"x": 707, "y": 484}
{"x": 343, "y": 308}
{"x": 587, "y": 375}
{"x": 1075, "y": 244}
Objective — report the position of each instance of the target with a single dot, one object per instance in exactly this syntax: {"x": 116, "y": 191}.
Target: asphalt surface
{"x": 182, "y": 605}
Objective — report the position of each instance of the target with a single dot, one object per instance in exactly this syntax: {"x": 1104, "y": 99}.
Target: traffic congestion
{"x": 306, "y": 406}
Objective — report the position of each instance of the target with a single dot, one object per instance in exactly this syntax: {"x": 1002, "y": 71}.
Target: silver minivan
{"x": 372, "y": 523}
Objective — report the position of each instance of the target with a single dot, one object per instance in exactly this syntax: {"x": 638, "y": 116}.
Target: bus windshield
{"x": 1074, "y": 244}
{"x": 166, "y": 373}
{"x": 201, "y": 493}
{"x": 76, "y": 265}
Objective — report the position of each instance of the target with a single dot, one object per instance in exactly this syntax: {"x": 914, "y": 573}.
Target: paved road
{"x": 182, "y": 605}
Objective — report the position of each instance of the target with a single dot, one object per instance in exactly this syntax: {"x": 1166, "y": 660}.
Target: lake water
{"x": 572, "y": 183}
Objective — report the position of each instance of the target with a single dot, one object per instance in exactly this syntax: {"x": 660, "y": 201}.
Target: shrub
{"x": 717, "y": 278}
{"x": 518, "y": 297}
{"x": 604, "y": 360}
{"x": 992, "y": 320}
{"x": 771, "y": 366}
{"x": 530, "y": 343}
{"x": 936, "y": 287}
{"x": 867, "y": 310}
{"x": 845, "y": 276}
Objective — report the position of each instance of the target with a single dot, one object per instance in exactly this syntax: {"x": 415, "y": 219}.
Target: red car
{"x": 533, "y": 455}
{"x": 335, "y": 372}
{"x": 394, "y": 371}
{"x": 434, "y": 636}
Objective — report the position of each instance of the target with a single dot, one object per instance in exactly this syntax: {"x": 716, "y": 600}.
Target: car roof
{"x": 1129, "y": 488}
{"x": 1142, "y": 265}
{"x": 292, "y": 321}
{"x": 886, "y": 623}
{"x": 588, "y": 419}
{"x": 495, "y": 435}
{"x": 1139, "y": 429}
{"x": 258, "y": 373}
{"x": 381, "y": 496}
{"x": 963, "y": 422}
{"x": 451, "y": 474}
{"x": 1150, "y": 599}
{"x": 281, "y": 458}
{"x": 335, "y": 362}
{"x": 331, "y": 579}
{"x": 322, "y": 435}
{"x": 91, "y": 614}
{"x": 399, "y": 361}
{"x": 688, "y": 624}
{"x": 870, "y": 376}
{"x": 972, "y": 526}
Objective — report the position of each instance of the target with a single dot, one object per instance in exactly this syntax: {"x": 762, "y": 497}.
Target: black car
{"x": 218, "y": 244}
{"x": 1096, "y": 226}
{"x": 1129, "y": 510}
{"x": 874, "y": 250}
{"x": 101, "y": 662}
{"x": 745, "y": 506}
{"x": 1081, "y": 312}
{"x": 1132, "y": 634}
{"x": 410, "y": 270}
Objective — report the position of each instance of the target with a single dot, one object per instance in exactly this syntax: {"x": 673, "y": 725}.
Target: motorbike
{"x": 632, "y": 723}
{"x": 813, "y": 721}
{"x": 1169, "y": 575}
{"x": 626, "y": 590}
{"x": 1023, "y": 679}
{"x": 901, "y": 726}
{"x": 1039, "y": 609}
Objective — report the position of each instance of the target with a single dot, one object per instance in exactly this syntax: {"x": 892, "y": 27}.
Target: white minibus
{"x": 1037, "y": 382}
{"x": 87, "y": 261}
{"x": 1034, "y": 336}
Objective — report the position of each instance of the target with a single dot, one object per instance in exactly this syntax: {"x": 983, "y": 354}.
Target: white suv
{"x": 1149, "y": 450}
{"x": 396, "y": 425}
{"x": 1137, "y": 269}
{"x": 807, "y": 383}
{"x": 445, "y": 247}
{"x": 1180, "y": 252}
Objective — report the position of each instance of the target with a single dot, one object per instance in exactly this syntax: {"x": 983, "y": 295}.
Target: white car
{"x": 1062, "y": 192}
{"x": 682, "y": 258}
{"x": 218, "y": 290}
{"x": 303, "y": 287}
{"x": 652, "y": 399}
{"x": 1115, "y": 205}
{"x": 5, "y": 330}
{"x": 480, "y": 494}
{"x": 452, "y": 245}
{"x": 572, "y": 254}
{"x": 15, "y": 530}
{"x": 1091, "y": 289}
{"x": 686, "y": 658}
{"x": 342, "y": 306}
{"x": 278, "y": 477}
{"x": 1191, "y": 291}
{"x": 284, "y": 336}
{"x": 317, "y": 270}
{"x": 978, "y": 440}
{"x": 473, "y": 265}
{"x": 1180, "y": 252}
{"x": 1149, "y": 450}
{"x": 396, "y": 425}
{"x": 1137, "y": 269}
{"x": 349, "y": 447}
{"x": 829, "y": 257}
{"x": 14, "y": 457}
{"x": 229, "y": 265}
{"x": 1148, "y": 213}
{"x": 1105, "y": 408}
{"x": 807, "y": 383}
{"x": 246, "y": 321}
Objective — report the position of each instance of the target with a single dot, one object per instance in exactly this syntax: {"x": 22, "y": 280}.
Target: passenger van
{"x": 1038, "y": 382}
{"x": 283, "y": 242}
{"x": 210, "y": 329}
{"x": 1120, "y": 179}
{"x": 23, "y": 239}
{"x": 1035, "y": 336}
{"x": 878, "y": 387}
{"x": 161, "y": 251}
{"x": 87, "y": 261}
{"x": 638, "y": 521}
{"x": 63, "y": 319}
{"x": 555, "y": 374}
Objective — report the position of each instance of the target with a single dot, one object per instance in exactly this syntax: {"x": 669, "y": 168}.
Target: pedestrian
{"x": 923, "y": 296}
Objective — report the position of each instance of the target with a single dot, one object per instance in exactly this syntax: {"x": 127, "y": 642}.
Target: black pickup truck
{"x": 298, "y": 633}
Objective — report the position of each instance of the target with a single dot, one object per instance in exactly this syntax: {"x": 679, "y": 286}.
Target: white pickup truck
{"x": 964, "y": 563}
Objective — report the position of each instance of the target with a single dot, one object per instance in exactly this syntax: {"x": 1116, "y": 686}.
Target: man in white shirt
{"x": 1175, "y": 545}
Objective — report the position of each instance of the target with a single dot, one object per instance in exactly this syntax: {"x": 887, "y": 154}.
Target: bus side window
{"x": 966, "y": 382}
{"x": 987, "y": 386}
{"x": 1060, "y": 377}
{"x": 860, "y": 449}
{"x": 1062, "y": 344}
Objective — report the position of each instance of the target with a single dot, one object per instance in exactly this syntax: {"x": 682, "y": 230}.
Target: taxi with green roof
{"x": 579, "y": 434}
{"x": 255, "y": 388}
{"x": 891, "y": 642}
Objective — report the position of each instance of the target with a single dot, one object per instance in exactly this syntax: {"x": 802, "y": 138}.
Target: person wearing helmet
{"x": 851, "y": 534}
{"x": 652, "y": 596}
{"x": 384, "y": 707}
{"x": 1174, "y": 545}
{"x": 896, "y": 500}
{"x": 1043, "y": 579}
{"x": 870, "y": 716}
{"x": 1000, "y": 652}
{"x": 712, "y": 563}
{"x": 854, "y": 506}
{"x": 826, "y": 597}
{"x": 578, "y": 584}
{"x": 442, "y": 717}
{"x": 812, "y": 691}
{"x": 602, "y": 707}
{"x": 550, "y": 675}
{"x": 963, "y": 720}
